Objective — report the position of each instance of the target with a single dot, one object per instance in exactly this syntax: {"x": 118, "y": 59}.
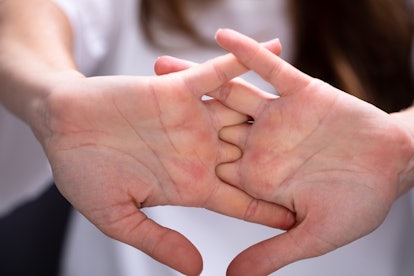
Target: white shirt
{"x": 107, "y": 41}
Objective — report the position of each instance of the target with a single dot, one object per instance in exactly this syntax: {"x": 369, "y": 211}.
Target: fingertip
{"x": 275, "y": 253}
{"x": 224, "y": 31}
{"x": 161, "y": 65}
{"x": 180, "y": 254}
{"x": 228, "y": 153}
{"x": 222, "y": 35}
{"x": 255, "y": 260}
{"x": 274, "y": 46}
{"x": 165, "y": 245}
{"x": 229, "y": 172}
{"x": 236, "y": 134}
{"x": 226, "y": 37}
{"x": 249, "y": 264}
{"x": 218, "y": 32}
{"x": 168, "y": 64}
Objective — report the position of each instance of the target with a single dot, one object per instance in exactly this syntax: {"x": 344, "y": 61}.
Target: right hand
{"x": 337, "y": 162}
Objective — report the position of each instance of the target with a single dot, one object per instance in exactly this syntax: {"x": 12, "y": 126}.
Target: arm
{"x": 117, "y": 144}
{"x": 30, "y": 59}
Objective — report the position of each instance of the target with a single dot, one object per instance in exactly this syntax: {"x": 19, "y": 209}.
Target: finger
{"x": 209, "y": 76}
{"x": 271, "y": 255}
{"x": 168, "y": 64}
{"x": 230, "y": 173}
{"x": 164, "y": 245}
{"x": 284, "y": 77}
{"x": 228, "y": 153}
{"x": 236, "y": 94}
{"x": 236, "y": 135}
{"x": 233, "y": 202}
{"x": 223, "y": 116}
{"x": 243, "y": 97}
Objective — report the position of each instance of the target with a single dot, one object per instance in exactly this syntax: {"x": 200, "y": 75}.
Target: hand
{"x": 119, "y": 144}
{"x": 332, "y": 159}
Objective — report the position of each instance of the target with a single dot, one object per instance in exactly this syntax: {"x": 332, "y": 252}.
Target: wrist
{"x": 37, "y": 111}
{"x": 405, "y": 119}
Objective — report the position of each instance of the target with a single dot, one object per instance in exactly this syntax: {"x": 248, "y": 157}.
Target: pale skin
{"x": 105, "y": 176}
{"x": 119, "y": 144}
{"x": 335, "y": 161}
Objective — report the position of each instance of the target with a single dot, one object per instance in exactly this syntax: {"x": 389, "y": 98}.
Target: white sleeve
{"x": 95, "y": 24}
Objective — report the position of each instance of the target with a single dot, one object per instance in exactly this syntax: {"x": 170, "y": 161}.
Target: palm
{"x": 330, "y": 158}
{"x": 143, "y": 140}
{"x": 306, "y": 158}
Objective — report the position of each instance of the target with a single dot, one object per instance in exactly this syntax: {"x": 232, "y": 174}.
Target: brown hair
{"x": 361, "y": 47}
{"x": 171, "y": 16}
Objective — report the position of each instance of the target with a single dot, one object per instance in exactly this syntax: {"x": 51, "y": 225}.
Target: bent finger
{"x": 236, "y": 135}
{"x": 230, "y": 173}
{"x": 228, "y": 153}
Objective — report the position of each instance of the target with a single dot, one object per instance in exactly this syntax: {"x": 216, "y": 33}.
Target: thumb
{"x": 163, "y": 244}
{"x": 270, "y": 255}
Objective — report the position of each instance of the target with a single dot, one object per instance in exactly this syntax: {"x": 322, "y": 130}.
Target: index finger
{"x": 217, "y": 78}
{"x": 283, "y": 76}
{"x": 214, "y": 73}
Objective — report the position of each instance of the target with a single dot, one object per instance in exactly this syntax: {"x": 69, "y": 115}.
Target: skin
{"x": 335, "y": 161}
{"x": 338, "y": 163}
{"x": 120, "y": 144}
{"x": 92, "y": 130}
{"x": 117, "y": 144}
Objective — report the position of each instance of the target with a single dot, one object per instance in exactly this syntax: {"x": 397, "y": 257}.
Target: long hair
{"x": 363, "y": 48}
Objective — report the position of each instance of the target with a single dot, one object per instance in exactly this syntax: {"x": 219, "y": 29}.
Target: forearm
{"x": 35, "y": 45}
